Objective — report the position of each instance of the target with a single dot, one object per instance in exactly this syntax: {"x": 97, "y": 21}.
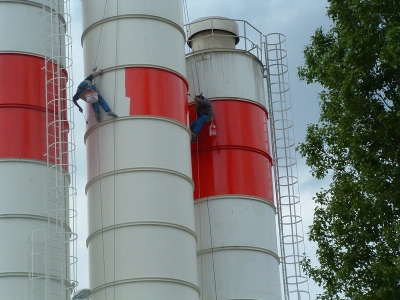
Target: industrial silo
{"x": 142, "y": 241}
{"x": 35, "y": 169}
{"x": 234, "y": 198}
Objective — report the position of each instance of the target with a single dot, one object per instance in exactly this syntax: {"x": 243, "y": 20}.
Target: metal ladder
{"x": 295, "y": 282}
{"x": 54, "y": 247}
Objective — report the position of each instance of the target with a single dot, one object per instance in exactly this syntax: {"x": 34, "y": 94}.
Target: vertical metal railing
{"x": 295, "y": 282}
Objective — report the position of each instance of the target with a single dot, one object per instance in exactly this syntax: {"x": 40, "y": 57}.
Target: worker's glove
{"x": 97, "y": 73}
{"x": 81, "y": 109}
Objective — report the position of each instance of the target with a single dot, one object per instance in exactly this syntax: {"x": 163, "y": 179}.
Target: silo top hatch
{"x": 212, "y": 32}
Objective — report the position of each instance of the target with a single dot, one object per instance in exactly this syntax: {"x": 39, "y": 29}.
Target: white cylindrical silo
{"x": 34, "y": 180}
{"x": 234, "y": 202}
{"x": 142, "y": 243}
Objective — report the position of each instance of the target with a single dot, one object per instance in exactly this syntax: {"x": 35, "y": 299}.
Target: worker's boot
{"x": 111, "y": 114}
{"x": 98, "y": 117}
{"x": 193, "y": 138}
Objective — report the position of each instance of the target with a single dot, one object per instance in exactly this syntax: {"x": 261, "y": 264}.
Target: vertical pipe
{"x": 24, "y": 175}
{"x": 234, "y": 207}
{"x": 141, "y": 242}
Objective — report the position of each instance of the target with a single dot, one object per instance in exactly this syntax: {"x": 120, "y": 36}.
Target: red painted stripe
{"x": 23, "y": 109}
{"x": 237, "y": 160}
{"x": 156, "y": 92}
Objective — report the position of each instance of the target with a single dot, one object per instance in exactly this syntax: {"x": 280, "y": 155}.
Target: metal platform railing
{"x": 250, "y": 38}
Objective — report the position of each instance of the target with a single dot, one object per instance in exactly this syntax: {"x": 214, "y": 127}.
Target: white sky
{"x": 297, "y": 20}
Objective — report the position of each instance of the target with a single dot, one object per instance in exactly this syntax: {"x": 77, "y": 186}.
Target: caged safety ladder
{"x": 53, "y": 260}
{"x": 295, "y": 282}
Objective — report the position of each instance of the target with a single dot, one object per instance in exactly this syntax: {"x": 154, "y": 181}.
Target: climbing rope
{"x": 101, "y": 215}
{"x": 114, "y": 130}
{"x": 100, "y": 184}
{"x": 101, "y": 31}
{"x": 198, "y": 164}
{"x": 208, "y": 211}
{"x": 187, "y": 20}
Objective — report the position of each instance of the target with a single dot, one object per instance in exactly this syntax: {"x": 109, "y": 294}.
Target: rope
{"x": 98, "y": 159}
{"x": 197, "y": 73}
{"x": 101, "y": 31}
{"x": 209, "y": 219}
{"x": 198, "y": 166}
{"x": 194, "y": 56}
{"x": 198, "y": 196}
{"x": 198, "y": 163}
{"x": 102, "y": 220}
{"x": 115, "y": 103}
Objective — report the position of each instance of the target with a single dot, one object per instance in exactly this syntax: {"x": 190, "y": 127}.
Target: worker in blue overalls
{"x": 205, "y": 113}
{"x": 88, "y": 92}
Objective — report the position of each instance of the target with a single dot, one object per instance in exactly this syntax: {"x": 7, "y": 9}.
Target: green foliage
{"x": 357, "y": 142}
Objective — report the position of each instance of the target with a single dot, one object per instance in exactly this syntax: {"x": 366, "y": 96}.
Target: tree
{"x": 357, "y": 143}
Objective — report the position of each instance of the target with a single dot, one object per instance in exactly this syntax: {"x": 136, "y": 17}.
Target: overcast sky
{"x": 297, "y": 20}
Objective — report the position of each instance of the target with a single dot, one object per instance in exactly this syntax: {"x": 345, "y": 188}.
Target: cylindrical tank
{"x": 234, "y": 207}
{"x": 33, "y": 155}
{"x": 142, "y": 241}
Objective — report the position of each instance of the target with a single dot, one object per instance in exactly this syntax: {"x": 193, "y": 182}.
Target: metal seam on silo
{"x": 241, "y": 99}
{"x": 24, "y": 274}
{"x": 36, "y": 217}
{"x": 139, "y": 169}
{"x": 150, "y": 279}
{"x": 125, "y": 66}
{"x": 27, "y": 2}
{"x": 140, "y": 223}
{"x": 237, "y": 196}
{"x": 230, "y": 147}
{"x": 127, "y": 118}
{"x": 130, "y": 16}
{"x": 239, "y": 248}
